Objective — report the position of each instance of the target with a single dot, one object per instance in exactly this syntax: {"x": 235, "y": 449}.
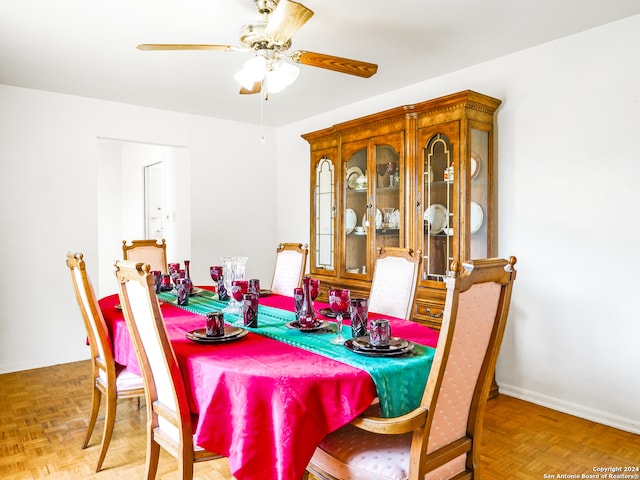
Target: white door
{"x": 154, "y": 203}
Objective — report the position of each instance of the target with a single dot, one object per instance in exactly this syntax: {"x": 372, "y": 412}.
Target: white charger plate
{"x": 437, "y": 216}
{"x": 475, "y": 165}
{"x": 352, "y": 175}
{"x": 350, "y": 220}
{"x": 394, "y": 219}
{"x": 477, "y": 217}
{"x": 378, "y": 219}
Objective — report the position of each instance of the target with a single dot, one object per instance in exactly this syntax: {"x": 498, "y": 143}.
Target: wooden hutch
{"x": 418, "y": 176}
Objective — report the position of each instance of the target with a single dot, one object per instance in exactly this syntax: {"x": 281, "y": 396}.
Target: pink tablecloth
{"x": 263, "y": 404}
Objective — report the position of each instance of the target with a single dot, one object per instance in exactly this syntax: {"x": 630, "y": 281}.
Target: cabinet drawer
{"x": 429, "y": 313}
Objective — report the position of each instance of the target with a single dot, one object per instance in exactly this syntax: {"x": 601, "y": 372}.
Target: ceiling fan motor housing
{"x": 265, "y": 7}
{"x": 252, "y": 37}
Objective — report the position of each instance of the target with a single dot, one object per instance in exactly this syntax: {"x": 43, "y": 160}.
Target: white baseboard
{"x": 605, "y": 418}
{"x": 41, "y": 363}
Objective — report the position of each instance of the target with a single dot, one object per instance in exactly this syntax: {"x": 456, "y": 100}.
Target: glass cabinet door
{"x": 388, "y": 204}
{"x": 356, "y": 200}
{"x": 324, "y": 216}
{"x": 479, "y": 169}
{"x": 373, "y": 207}
{"x": 439, "y": 238}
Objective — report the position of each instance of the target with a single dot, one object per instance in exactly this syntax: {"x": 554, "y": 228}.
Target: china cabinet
{"x": 418, "y": 176}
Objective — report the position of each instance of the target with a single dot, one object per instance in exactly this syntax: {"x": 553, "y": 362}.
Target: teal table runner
{"x": 400, "y": 381}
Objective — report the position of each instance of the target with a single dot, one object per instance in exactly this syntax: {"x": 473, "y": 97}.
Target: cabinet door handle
{"x": 437, "y": 315}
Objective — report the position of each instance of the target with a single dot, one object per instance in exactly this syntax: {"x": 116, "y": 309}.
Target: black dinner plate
{"x": 264, "y": 292}
{"x": 230, "y": 334}
{"x": 327, "y": 312}
{"x": 378, "y": 352}
{"x": 395, "y": 343}
{"x": 318, "y": 325}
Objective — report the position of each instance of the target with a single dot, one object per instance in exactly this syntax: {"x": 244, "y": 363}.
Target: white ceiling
{"x": 87, "y": 47}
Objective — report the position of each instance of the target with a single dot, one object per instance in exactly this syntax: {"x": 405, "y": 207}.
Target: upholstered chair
{"x": 291, "y": 260}
{"x": 169, "y": 421}
{"x": 394, "y": 282}
{"x": 108, "y": 379}
{"x": 440, "y": 439}
{"x": 148, "y": 251}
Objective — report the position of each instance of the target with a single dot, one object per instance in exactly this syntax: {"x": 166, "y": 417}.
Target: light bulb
{"x": 281, "y": 76}
{"x": 252, "y": 72}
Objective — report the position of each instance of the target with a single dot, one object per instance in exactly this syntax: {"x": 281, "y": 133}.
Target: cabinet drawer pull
{"x": 437, "y": 315}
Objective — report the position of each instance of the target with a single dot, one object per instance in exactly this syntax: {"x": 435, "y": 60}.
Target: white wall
{"x": 569, "y": 180}
{"x": 49, "y": 190}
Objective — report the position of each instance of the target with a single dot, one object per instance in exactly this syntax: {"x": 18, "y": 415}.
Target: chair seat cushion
{"x": 353, "y": 453}
{"x": 127, "y": 380}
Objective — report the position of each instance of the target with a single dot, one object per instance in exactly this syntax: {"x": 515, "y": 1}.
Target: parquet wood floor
{"x": 43, "y": 416}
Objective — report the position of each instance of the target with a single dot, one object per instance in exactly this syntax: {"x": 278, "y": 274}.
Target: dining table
{"x": 267, "y": 399}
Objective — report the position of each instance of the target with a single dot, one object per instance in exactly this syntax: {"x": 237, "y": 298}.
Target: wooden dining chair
{"x": 169, "y": 421}
{"x": 148, "y": 251}
{"x": 108, "y": 379}
{"x": 291, "y": 261}
{"x": 439, "y": 439}
{"x": 395, "y": 278}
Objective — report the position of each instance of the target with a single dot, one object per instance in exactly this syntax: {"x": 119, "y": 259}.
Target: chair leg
{"x": 185, "y": 470}
{"x": 96, "y": 395}
{"x": 109, "y": 422}
{"x": 153, "y": 457}
{"x": 185, "y": 461}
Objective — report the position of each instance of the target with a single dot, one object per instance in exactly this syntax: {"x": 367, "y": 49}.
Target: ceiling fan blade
{"x": 184, "y": 46}
{"x": 286, "y": 20}
{"x": 257, "y": 86}
{"x": 337, "y": 64}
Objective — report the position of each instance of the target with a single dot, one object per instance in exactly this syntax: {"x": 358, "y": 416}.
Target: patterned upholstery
{"x": 109, "y": 379}
{"x": 291, "y": 260}
{"x": 394, "y": 282}
{"x": 147, "y": 251}
{"x": 476, "y": 309}
{"x": 169, "y": 419}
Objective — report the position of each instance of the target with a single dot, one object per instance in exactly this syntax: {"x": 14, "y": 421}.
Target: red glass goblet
{"x": 239, "y": 288}
{"x": 216, "y": 272}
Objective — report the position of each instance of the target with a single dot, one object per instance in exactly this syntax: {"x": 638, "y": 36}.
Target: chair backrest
{"x": 97, "y": 331}
{"x": 394, "y": 282}
{"x": 167, "y": 405}
{"x": 476, "y": 309}
{"x": 291, "y": 261}
{"x": 147, "y": 251}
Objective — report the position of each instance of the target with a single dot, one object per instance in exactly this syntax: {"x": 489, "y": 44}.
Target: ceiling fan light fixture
{"x": 280, "y": 76}
{"x": 253, "y": 71}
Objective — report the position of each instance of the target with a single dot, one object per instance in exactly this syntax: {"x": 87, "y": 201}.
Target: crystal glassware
{"x": 386, "y": 218}
{"x": 233, "y": 268}
{"x": 339, "y": 303}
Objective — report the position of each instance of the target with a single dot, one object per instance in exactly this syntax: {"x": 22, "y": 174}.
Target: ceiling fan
{"x": 270, "y": 38}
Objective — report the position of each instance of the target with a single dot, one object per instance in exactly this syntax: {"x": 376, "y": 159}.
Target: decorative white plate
{"x": 477, "y": 217}
{"x": 352, "y": 174}
{"x": 350, "y": 220}
{"x": 475, "y": 165}
{"x": 378, "y": 219}
{"x": 437, "y": 216}
{"x": 394, "y": 219}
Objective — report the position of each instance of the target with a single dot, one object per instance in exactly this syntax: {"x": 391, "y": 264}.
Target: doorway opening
{"x": 143, "y": 193}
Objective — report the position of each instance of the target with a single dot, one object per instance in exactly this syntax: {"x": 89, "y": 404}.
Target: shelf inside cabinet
{"x": 387, "y": 231}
